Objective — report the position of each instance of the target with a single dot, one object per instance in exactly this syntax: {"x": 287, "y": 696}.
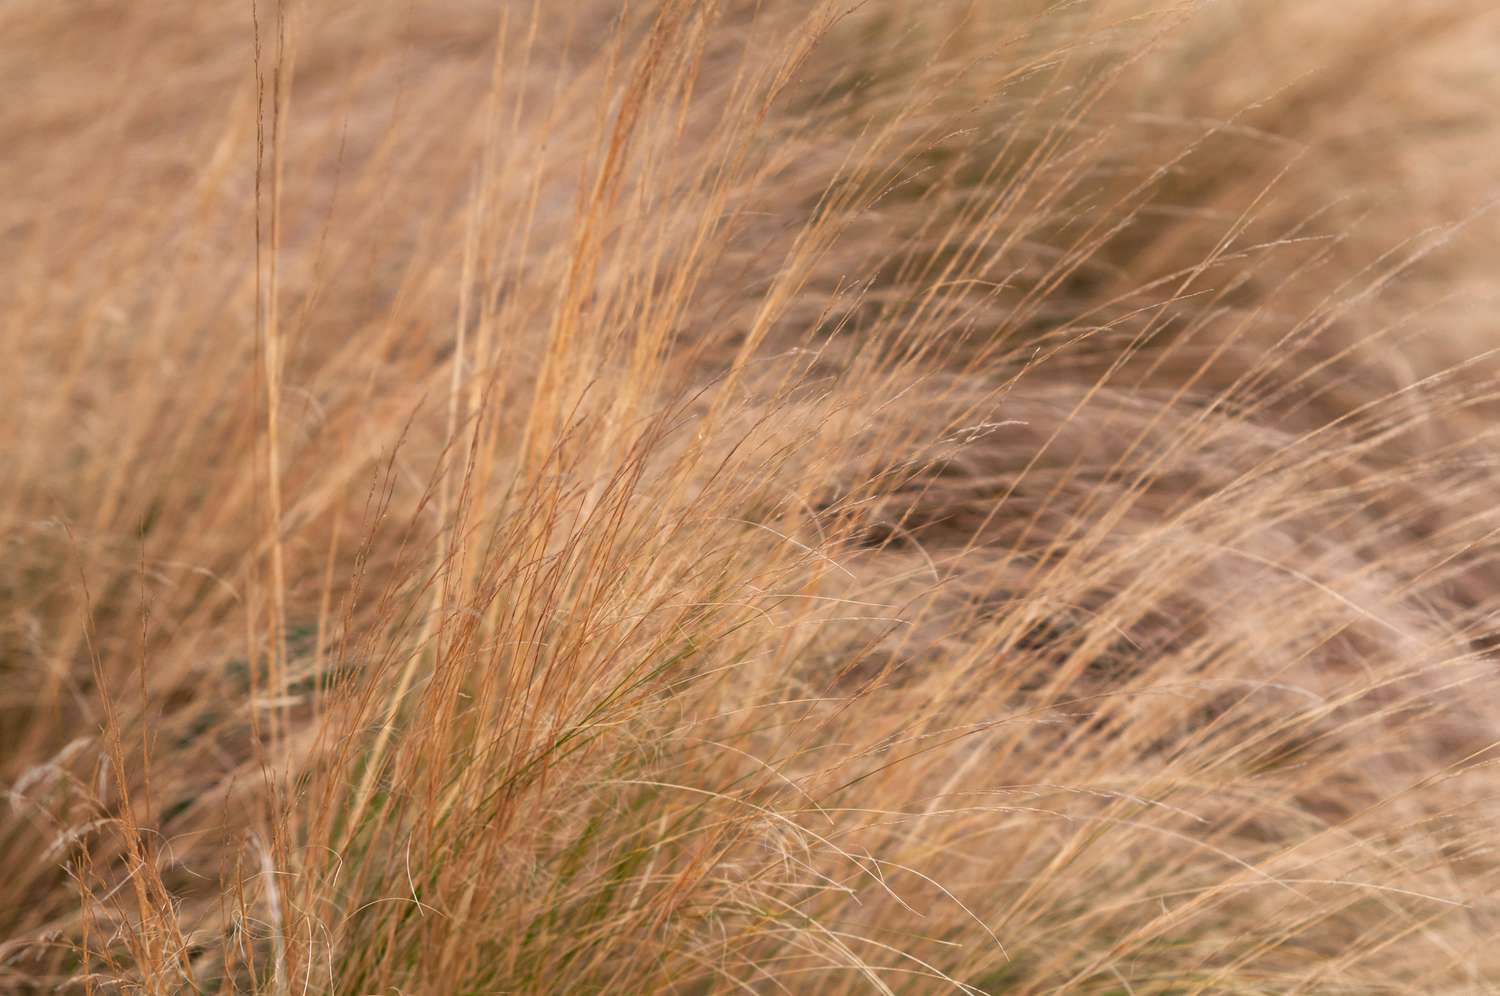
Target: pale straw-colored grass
{"x": 770, "y": 497}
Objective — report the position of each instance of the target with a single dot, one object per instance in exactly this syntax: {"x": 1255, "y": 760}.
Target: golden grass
{"x": 767, "y": 496}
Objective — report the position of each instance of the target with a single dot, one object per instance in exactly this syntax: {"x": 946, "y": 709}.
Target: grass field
{"x": 710, "y": 496}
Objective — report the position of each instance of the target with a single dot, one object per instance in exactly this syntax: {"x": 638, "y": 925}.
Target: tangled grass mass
{"x": 770, "y": 496}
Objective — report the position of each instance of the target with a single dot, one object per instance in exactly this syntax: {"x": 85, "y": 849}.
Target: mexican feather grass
{"x": 749, "y": 496}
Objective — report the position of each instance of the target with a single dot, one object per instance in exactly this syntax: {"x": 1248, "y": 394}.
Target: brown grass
{"x": 767, "y": 496}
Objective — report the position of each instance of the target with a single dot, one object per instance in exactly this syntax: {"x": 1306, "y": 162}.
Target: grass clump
{"x": 775, "y": 497}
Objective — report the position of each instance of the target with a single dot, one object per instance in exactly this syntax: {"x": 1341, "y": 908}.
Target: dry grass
{"x": 749, "y": 496}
